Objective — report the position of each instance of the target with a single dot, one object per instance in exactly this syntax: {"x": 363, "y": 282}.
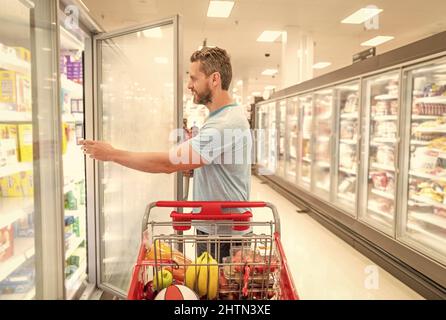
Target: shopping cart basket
{"x": 255, "y": 266}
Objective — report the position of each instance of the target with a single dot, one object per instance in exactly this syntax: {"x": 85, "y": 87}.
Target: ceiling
{"x": 406, "y": 20}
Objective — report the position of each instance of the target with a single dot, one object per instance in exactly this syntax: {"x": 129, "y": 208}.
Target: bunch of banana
{"x": 204, "y": 270}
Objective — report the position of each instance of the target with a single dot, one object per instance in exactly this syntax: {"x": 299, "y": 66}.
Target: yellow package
{"x": 23, "y": 53}
{"x": 27, "y": 183}
{"x": 8, "y": 87}
{"x": 25, "y": 142}
{"x": 65, "y": 128}
{"x": 11, "y": 187}
{"x": 23, "y": 93}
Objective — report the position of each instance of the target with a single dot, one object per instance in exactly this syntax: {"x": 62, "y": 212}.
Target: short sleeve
{"x": 209, "y": 143}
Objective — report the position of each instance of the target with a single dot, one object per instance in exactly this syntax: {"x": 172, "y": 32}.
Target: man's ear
{"x": 216, "y": 79}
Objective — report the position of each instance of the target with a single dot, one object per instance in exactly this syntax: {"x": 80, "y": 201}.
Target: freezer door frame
{"x": 175, "y": 21}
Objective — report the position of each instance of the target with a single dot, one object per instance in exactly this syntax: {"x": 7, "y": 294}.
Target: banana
{"x": 192, "y": 272}
{"x": 208, "y": 271}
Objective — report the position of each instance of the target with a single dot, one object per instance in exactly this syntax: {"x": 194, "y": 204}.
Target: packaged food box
{"x": 23, "y": 93}
{"x": 23, "y": 53}
{"x": 6, "y": 243}
{"x": 24, "y": 227}
{"x": 8, "y": 88}
{"x": 8, "y": 152}
{"x": 11, "y": 186}
{"x": 25, "y": 142}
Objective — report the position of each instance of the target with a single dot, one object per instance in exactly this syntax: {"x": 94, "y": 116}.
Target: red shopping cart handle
{"x": 211, "y": 210}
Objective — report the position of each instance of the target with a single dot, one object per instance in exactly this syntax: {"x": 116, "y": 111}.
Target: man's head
{"x": 210, "y": 72}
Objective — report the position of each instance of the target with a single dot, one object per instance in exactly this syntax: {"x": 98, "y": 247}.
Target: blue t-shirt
{"x": 225, "y": 143}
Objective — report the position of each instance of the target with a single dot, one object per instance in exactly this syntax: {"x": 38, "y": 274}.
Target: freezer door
{"x": 305, "y": 146}
{"x": 282, "y": 140}
{"x": 138, "y": 85}
{"x": 323, "y": 101}
{"x": 423, "y": 219}
{"x": 380, "y": 150}
{"x": 347, "y": 141}
{"x": 292, "y": 136}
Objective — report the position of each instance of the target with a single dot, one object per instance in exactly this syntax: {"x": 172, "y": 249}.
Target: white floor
{"x": 324, "y": 266}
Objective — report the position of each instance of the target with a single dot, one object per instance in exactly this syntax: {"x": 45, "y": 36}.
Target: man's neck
{"x": 219, "y": 101}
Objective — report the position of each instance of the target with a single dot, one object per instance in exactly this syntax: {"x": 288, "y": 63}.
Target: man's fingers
{"x": 86, "y": 142}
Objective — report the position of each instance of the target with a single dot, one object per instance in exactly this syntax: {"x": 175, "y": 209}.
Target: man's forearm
{"x": 152, "y": 162}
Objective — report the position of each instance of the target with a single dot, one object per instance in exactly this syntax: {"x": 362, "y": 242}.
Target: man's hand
{"x": 98, "y": 150}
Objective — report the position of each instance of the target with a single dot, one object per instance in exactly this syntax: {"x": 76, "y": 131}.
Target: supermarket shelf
{"x": 384, "y": 118}
{"x": 428, "y": 201}
{"x": 30, "y": 295}
{"x": 430, "y": 218}
{"x": 427, "y": 176}
{"x": 23, "y": 250}
{"x": 383, "y": 194}
{"x": 441, "y": 153}
{"x": 72, "y": 86}
{"x": 323, "y": 164}
{"x": 382, "y": 166}
{"x": 17, "y": 65}
{"x": 12, "y": 209}
{"x": 69, "y": 186}
{"x": 349, "y": 198}
{"x": 431, "y": 130}
{"x": 348, "y": 141}
{"x": 14, "y": 116}
{"x": 423, "y": 117}
{"x": 80, "y": 212}
{"x": 383, "y": 140}
{"x": 11, "y": 169}
{"x": 75, "y": 242}
{"x": 436, "y": 100}
{"x": 349, "y": 171}
{"x": 306, "y": 159}
{"x": 385, "y": 97}
{"x": 350, "y": 115}
{"x": 380, "y": 212}
{"x": 419, "y": 142}
{"x": 75, "y": 280}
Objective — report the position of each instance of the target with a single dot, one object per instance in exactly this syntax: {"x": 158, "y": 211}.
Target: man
{"x": 225, "y": 134}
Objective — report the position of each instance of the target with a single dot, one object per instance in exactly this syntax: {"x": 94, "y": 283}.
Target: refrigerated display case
{"x": 305, "y": 154}
{"x": 281, "y": 134}
{"x": 323, "y": 114}
{"x": 292, "y": 137}
{"x": 347, "y": 143}
{"x": 262, "y": 137}
{"x": 423, "y": 223}
{"x": 380, "y": 132}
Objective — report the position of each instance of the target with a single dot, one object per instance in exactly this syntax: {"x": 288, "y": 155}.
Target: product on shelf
{"x": 347, "y": 156}
{"x": 348, "y": 129}
{"x": 381, "y": 204}
{"x": 24, "y": 227}
{"x": 385, "y": 129}
{"x": 347, "y": 185}
{"x": 15, "y": 91}
{"x": 6, "y": 242}
{"x": 423, "y": 159}
{"x": 438, "y": 144}
{"x": 435, "y": 191}
{"x": 70, "y": 201}
{"x": 20, "y": 281}
{"x": 25, "y": 142}
{"x": 23, "y": 53}
{"x": 383, "y": 181}
{"x": 385, "y": 154}
{"x": 11, "y": 186}
{"x": 351, "y": 104}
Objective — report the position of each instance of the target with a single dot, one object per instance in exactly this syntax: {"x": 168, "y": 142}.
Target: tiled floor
{"x": 324, "y": 266}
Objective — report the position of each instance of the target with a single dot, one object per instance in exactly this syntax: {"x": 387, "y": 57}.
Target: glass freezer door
{"x": 292, "y": 136}
{"x": 305, "y": 153}
{"x": 347, "y": 105}
{"x": 138, "y": 107}
{"x": 424, "y": 218}
{"x": 380, "y": 125}
{"x": 323, "y": 101}
{"x": 281, "y": 146}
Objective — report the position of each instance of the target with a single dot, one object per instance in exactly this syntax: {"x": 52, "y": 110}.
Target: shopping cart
{"x": 256, "y": 267}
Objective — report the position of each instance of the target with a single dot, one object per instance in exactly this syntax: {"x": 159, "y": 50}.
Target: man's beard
{"x": 204, "y": 98}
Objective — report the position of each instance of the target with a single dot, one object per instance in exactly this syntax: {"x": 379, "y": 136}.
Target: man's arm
{"x": 180, "y": 158}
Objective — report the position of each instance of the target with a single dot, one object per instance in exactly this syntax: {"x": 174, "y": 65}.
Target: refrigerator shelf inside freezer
{"x": 437, "y": 220}
{"x": 386, "y": 97}
{"x": 423, "y": 117}
{"x": 323, "y": 164}
{"x": 348, "y": 171}
{"x": 381, "y": 213}
{"x": 432, "y": 100}
{"x": 379, "y": 140}
{"x": 441, "y": 129}
{"x": 383, "y": 194}
{"x": 432, "y": 238}
{"x": 348, "y": 197}
{"x": 306, "y": 159}
{"x": 422, "y": 199}
{"x": 7, "y": 116}
{"x": 348, "y": 141}
{"x": 419, "y": 142}
{"x": 427, "y": 176}
{"x": 382, "y": 166}
{"x": 12, "y": 209}
{"x": 385, "y": 117}
{"x": 73, "y": 244}
{"x": 23, "y": 250}
{"x": 74, "y": 281}
{"x": 350, "y": 115}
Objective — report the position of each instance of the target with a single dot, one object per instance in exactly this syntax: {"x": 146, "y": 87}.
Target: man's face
{"x": 199, "y": 84}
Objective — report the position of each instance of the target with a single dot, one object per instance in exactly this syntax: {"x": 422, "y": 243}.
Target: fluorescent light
{"x": 376, "y": 41}
{"x": 220, "y": 9}
{"x": 161, "y": 60}
{"x": 269, "y": 36}
{"x": 270, "y": 87}
{"x": 269, "y": 72}
{"x": 321, "y": 65}
{"x": 153, "y": 33}
{"x": 256, "y": 94}
{"x": 362, "y": 15}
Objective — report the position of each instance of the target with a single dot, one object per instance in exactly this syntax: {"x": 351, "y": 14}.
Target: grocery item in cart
{"x": 202, "y": 276}
{"x": 169, "y": 256}
{"x": 177, "y": 292}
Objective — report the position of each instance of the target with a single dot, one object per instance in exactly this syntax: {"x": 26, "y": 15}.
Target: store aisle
{"x": 323, "y": 265}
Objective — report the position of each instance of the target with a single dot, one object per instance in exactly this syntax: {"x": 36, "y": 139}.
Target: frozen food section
{"x": 346, "y": 176}
{"x": 380, "y": 133}
{"x": 424, "y": 222}
{"x": 365, "y": 155}
{"x": 281, "y": 133}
